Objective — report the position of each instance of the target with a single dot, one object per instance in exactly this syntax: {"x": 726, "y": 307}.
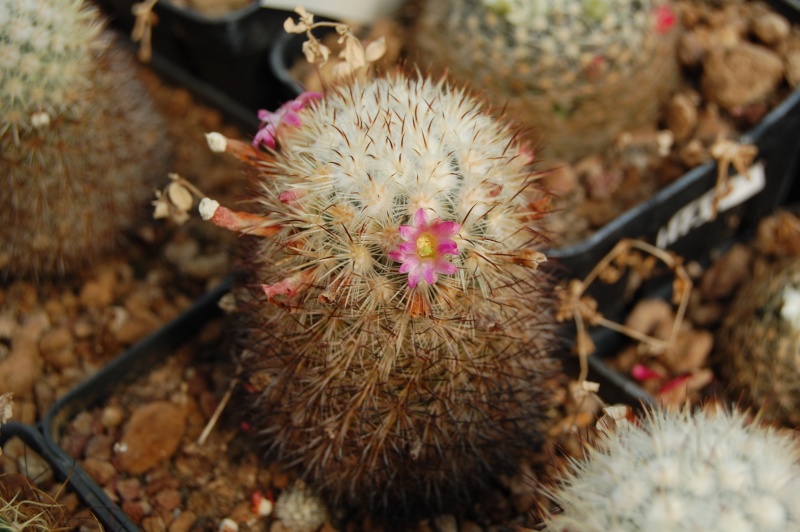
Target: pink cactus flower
{"x": 665, "y": 18}
{"x": 286, "y": 114}
{"x": 424, "y": 248}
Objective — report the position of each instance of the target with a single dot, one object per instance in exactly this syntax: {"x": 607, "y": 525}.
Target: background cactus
{"x": 578, "y": 72}
{"x": 759, "y": 342}
{"x": 708, "y": 470}
{"x": 81, "y": 141}
{"x": 399, "y": 332}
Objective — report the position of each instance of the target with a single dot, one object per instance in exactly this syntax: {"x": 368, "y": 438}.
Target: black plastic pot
{"x": 677, "y": 218}
{"x": 141, "y": 358}
{"x": 63, "y": 471}
{"x": 225, "y": 59}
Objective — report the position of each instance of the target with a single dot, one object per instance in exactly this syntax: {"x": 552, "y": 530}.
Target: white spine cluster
{"x": 368, "y": 157}
{"x": 707, "y": 470}
{"x": 46, "y": 51}
{"x": 299, "y": 510}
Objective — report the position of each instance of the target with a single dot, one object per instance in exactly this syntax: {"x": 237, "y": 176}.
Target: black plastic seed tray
{"x": 229, "y": 54}
{"x": 63, "y": 470}
{"x": 142, "y": 357}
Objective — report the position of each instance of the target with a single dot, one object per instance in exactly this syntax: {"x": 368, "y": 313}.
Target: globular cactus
{"x": 683, "y": 470}
{"x": 758, "y": 344}
{"x": 400, "y": 334}
{"x": 81, "y": 141}
{"x": 577, "y": 72}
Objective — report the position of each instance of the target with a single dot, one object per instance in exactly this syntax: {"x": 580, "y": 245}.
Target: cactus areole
{"x": 398, "y": 328}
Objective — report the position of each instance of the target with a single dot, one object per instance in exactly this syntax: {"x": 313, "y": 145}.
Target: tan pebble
{"x": 136, "y": 510}
{"x": 152, "y": 436}
{"x": 771, "y": 28}
{"x": 648, "y": 315}
{"x": 83, "y": 424}
{"x": 22, "y": 367}
{"x": 727, "y": 273}
{"x": 56, "y": 347}
{"x": 112, "y": 416}
{"x": 184, "y": 522}
{"x": 95, "y": 295}
{"x": 445, "y": 523}
{"x": 242, "y": 512}
{"x": 206, "y": 266}
{"x": 82, "y": 328}
{"x": 129, "y": 489}
{"x": 168, "y": 499}
{"x": 694, "y": 348}
{"x": 99, "y": 446}
{"x": 134, "y": 329}
{"x": 741, "y": 75}
{"x": 154, "y": 523}
{"x": 102, "y": 471}
{"x": 55, "y": 309}
{"x": 681, "y": 116}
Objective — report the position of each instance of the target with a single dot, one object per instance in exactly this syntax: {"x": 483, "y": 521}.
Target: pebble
{"x": 98, "y": 293}
{"x": 56, "y": 347}
{"x": 168, "y": 499}
{"x": 136, "y": 510}
{"x": 184, "y": 522}
{"x": 152, "y": 436}
{"x": 22, "y": 367}
{"x": 771, "y": 28}
{"x": 112, "y": 416}
{"x": 445, "y": 523}
{"x": 129, "y": 489}
{"x": 681, "y": 115}
{"x": 741, "y": 75}
{"x": 99, "y": 446}
{"x": 102, "y": 471}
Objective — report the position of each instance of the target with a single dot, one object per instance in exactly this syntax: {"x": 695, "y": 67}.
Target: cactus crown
{"x": 45, "y": 52}
{"x": 684, "y": 471}
{"x": 393, "y": 181}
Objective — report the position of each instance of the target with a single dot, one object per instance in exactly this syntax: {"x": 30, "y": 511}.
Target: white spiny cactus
{"x": 46, "y": 56}
{"x": 707, "y": 470}
{"x": 577, "y": 72}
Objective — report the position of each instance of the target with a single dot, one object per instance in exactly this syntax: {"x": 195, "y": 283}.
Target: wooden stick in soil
{"x": 212, "y": 422}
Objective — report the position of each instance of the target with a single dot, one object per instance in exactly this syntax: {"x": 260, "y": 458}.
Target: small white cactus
{"x": 679, "y": 470}
{"x": 299, "y": 510}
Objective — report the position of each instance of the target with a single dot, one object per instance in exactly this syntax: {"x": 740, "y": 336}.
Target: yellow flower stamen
{"x": 426, "y": 245}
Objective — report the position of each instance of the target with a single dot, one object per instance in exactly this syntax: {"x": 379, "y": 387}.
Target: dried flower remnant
{"x": 423, "y": 253}
{"x": 354, "y": 57}
{"x": 285, "y": 115}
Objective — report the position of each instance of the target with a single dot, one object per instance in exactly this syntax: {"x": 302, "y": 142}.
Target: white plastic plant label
{"x": 701, "y": 211}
